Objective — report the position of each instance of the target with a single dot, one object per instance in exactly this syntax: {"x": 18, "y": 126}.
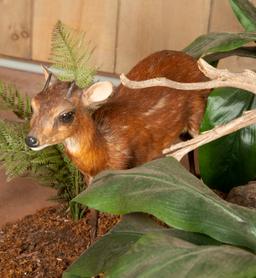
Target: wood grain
{"x": 122, "y": 31}
{"x": 222, "y": 19}
{"x": 15, "y": 28}
{"x": 45, "y": 15}
{"x": 97, "y": 18}
{"x": 146, "y": 26}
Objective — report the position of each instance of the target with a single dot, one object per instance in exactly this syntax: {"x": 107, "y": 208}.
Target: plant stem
{"x": 77, "y": 208}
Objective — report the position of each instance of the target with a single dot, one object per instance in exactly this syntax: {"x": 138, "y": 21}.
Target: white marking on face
{"x": 160, "y": 104}
{"x": 72, "y": 145}
{"x": 40, "y": 147}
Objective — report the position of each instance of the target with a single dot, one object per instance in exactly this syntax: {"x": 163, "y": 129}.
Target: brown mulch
{"x": 46, "y": 243}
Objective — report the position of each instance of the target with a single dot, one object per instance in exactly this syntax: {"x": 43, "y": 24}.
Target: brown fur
{"x": 134, "y": 126}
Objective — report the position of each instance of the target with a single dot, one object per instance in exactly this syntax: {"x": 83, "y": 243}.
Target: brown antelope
{"x": 106, "y": 128}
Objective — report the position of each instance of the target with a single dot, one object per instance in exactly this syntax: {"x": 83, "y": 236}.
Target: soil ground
{"x": 44, "y": 244}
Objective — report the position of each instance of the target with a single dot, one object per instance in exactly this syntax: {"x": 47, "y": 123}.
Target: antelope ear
{"x": 97, "y": 94}
{"x": 46, "y": 73}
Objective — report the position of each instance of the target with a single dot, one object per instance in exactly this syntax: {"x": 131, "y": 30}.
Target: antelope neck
{"x": 87, "y": 147}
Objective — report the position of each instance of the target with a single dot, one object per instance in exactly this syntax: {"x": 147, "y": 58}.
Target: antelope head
{"x": 58, "y": 107}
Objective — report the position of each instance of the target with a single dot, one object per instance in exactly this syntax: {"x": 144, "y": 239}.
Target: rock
{"x": 244, "y": 195}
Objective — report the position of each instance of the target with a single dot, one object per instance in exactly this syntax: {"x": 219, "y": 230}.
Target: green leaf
{"x": 230, "y": 160}
{"x": 11, "y": 99}
{"x": 247, "y": 51}
{"x": 70, "y": 56}
{"x": 245, "y": 13}
{"x": 218, "y": 42}
{"x": 138, "y": 247}
{"x": 102, "y": 255}
{"x": 159, "y": 254}
{"x": 166, "y": 190}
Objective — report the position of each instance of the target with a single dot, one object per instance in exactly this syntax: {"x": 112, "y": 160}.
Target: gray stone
{"x": 244, "y": 195}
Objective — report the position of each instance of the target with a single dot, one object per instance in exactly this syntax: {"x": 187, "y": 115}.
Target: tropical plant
{"x": 140, "y": 248}
{"x": 207, "y": 236}
{"x": 231, "y": 160}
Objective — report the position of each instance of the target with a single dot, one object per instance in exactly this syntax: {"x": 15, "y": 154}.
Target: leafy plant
{"x": 218, "y": 42}
{"x": 229, "y": 161}
{"x": 13, "y": 100}
{"x": 138, "y": 247}
{"x": 70, "y": 56}
{"x": 245, "y": 13}
{"x": 50, "y": 167}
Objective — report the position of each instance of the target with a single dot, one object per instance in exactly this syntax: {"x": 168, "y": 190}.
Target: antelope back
{"x": 148, "y": 120}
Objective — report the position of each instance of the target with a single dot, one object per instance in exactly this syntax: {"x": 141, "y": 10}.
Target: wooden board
{"x": 222, "y": 19}
{"x": 122, "y": 31}
{"x": 45, "y": 15}
{"x": 146, "y": 26}
{"x": 97, "y": 18}
{"x": 15, "y": 28}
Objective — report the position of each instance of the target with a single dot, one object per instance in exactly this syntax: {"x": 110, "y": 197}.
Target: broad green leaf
{"x": 245, "y": 13}
{"x": 231, "y": 160}
{"x": 101, "y": 256}
{"x": 160, "y": 255}
{"x": 218, "y": 42}
{"x": 168, "y": 191}
{"x": 246, "y": 51}
{"x": 138, "y": 247}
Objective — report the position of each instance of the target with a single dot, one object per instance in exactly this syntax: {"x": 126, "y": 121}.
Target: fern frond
{"x": 70, "y": 56}
{"x": 10, "y": 98}
{"x": 50, "y": 166}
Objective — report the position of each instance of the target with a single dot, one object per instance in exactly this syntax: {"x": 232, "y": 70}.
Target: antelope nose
{"x": 32, "y": 142}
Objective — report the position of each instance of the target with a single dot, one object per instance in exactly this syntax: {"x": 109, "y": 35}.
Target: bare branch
{"x": 181, "y": 149}
{"x": 220, "y": 78}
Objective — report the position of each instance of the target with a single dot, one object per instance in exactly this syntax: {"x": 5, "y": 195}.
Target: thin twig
{"x": 181, "y": 149}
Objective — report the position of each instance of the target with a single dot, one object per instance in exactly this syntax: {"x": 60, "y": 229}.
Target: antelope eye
{"x": 67, "y": 117}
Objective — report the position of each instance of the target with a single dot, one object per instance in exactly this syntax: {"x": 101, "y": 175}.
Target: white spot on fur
{"x": 160, "y": 104}
{"x": 72, "y": 145}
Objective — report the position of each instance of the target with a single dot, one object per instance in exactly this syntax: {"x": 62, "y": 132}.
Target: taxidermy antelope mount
{"x": 106, "y": 128}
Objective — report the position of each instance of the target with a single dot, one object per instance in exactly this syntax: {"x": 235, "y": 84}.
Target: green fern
{"x": 70, "y": 56}
{"x": 11, "y": 99}
{"x": 50, "y": 166}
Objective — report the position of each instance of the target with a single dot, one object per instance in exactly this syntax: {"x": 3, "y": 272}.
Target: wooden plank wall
{"x": 123, "y": 31}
